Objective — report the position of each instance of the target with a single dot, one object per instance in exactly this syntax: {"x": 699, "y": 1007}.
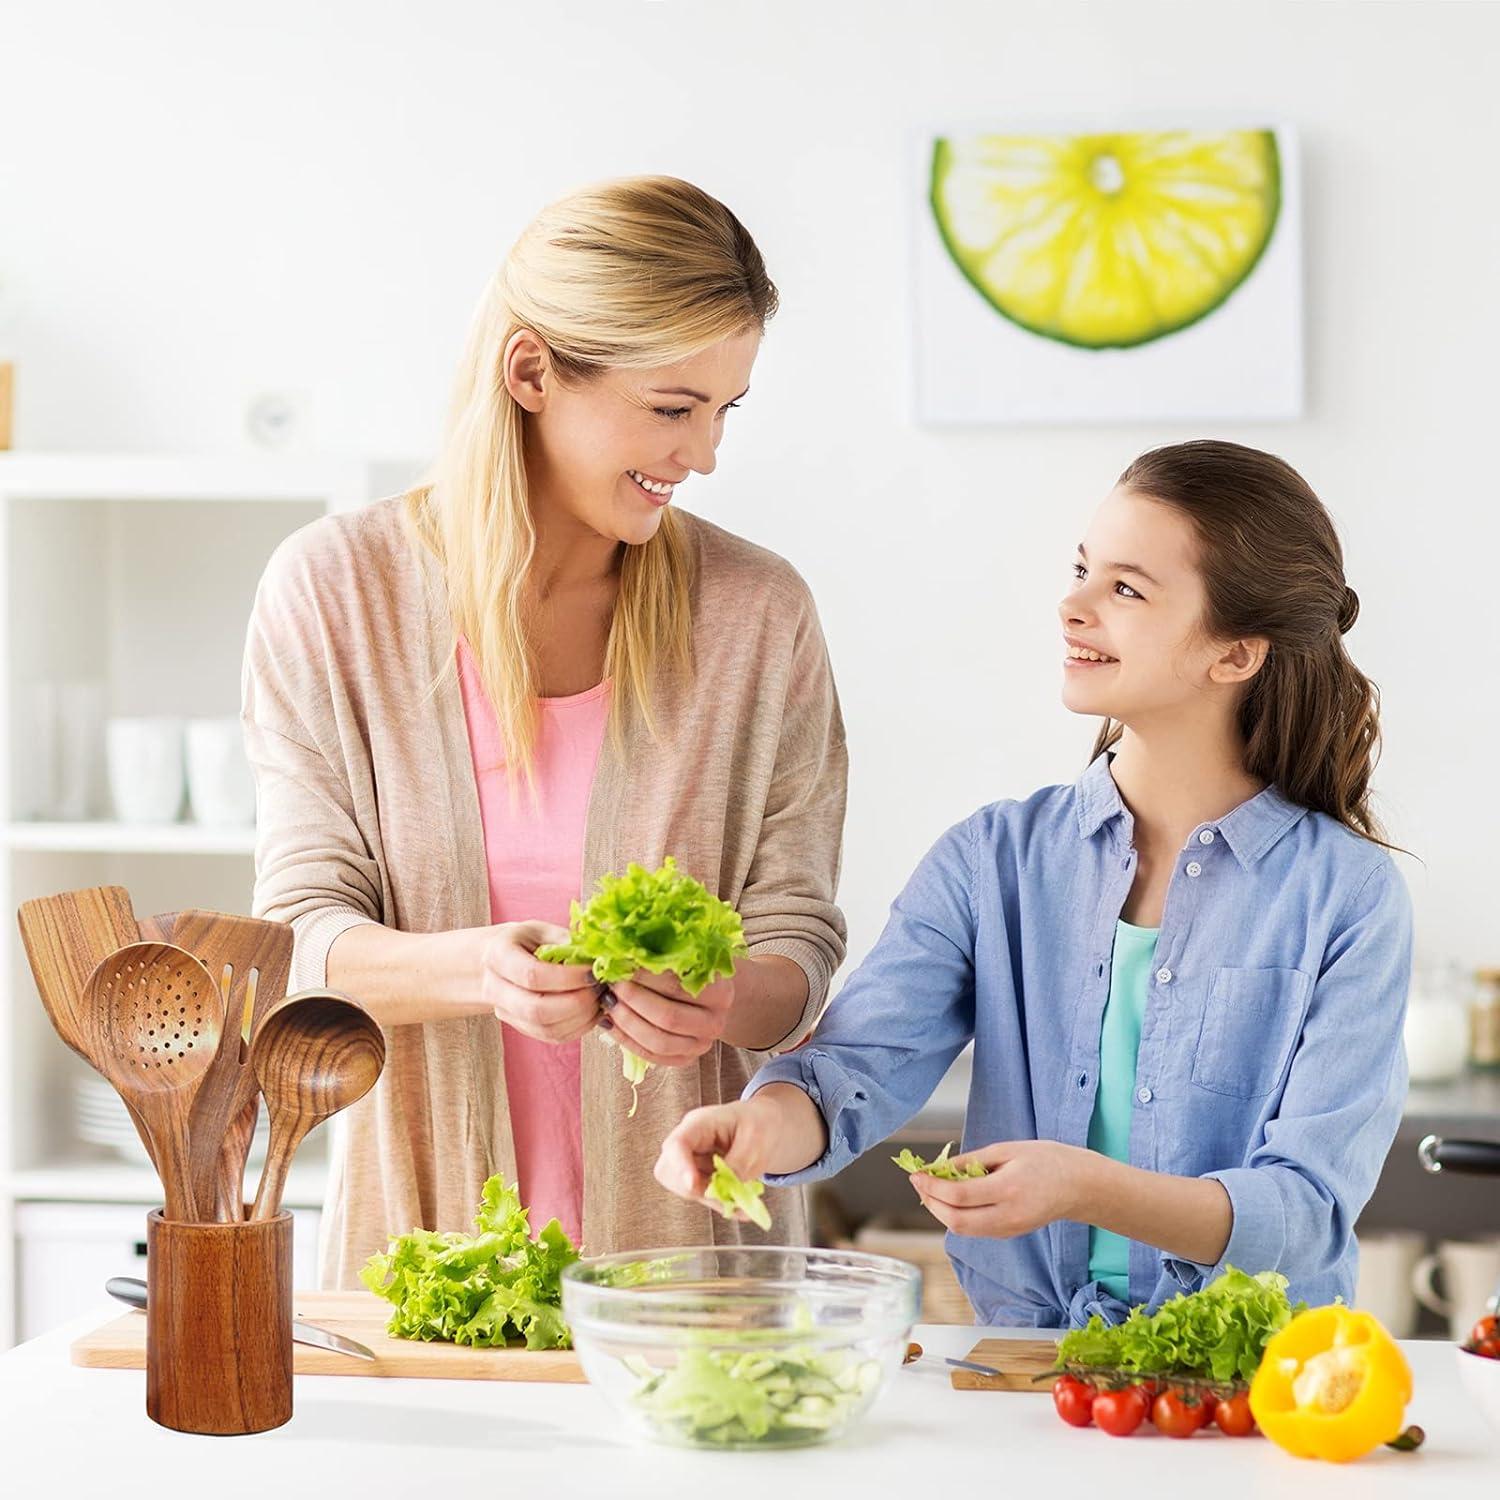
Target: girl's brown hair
{"x": 1272, "y": 567}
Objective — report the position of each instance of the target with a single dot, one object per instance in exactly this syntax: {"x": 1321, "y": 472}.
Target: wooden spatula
{"x": 66, "y": 937}
{"x": 250, "y": 960}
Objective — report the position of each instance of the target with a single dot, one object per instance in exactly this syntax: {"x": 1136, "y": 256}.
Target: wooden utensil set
{"x": 187, "y": 1016}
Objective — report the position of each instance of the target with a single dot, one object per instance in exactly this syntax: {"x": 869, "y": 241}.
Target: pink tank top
{"x": 534, "y": 852}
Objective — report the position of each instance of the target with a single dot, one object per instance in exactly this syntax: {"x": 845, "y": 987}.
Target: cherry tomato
{"x": 1487, "y": 1328}
{"x": 1120, "y": 1412}
{"x": 1074, "y": 1401}
{"x": 1486, "y": 1348}
{"x": 1233, "y": 1416}
{"x": 1175, "y": 1416}
{"x": 1208, "y": 1404}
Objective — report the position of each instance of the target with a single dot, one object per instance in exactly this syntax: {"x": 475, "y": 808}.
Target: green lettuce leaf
{"x": 728, "y": 1192}
{"x": 939, "y": 1166}
{"x": 1217, "y": 1333}
{"x": 663, "y": 922}
{"x": 498, "y": 1286}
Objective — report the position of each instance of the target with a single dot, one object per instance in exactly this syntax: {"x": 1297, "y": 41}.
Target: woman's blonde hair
{"x": 632, "y": 273}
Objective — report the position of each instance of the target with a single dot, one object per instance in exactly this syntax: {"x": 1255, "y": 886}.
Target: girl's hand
{"x": 1029, "y": 1184}
{"x": 551, "y": 1002}
{"x": 746, "y": 1134}
{"x": 657, "y": 1019}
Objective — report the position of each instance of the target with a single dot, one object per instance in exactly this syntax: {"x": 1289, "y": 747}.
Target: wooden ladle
{"x": 314, "y": 1053}
{"x": 155, "y": 1016}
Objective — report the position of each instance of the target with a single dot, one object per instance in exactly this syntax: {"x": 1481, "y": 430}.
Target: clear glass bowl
{"x": 741, "y": 1346}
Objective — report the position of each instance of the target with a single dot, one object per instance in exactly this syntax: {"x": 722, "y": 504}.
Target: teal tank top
{"x": 1114, "y": 1104}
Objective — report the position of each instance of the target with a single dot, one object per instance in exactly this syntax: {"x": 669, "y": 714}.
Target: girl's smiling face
{"x": 1132, "y": 621}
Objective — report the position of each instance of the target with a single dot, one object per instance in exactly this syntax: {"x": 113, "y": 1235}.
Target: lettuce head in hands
{"x": 664, "y": 922}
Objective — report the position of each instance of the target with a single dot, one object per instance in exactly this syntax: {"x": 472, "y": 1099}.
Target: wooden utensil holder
{"x": 219, "y": 1324}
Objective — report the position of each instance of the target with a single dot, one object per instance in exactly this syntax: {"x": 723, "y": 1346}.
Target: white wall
{"x": 308, "y": 198}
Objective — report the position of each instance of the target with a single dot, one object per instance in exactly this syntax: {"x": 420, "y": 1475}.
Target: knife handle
{"x": 127, "y": 1289}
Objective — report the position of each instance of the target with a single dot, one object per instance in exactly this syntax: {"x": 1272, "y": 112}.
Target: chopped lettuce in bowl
{"x": 737, "y": 1347}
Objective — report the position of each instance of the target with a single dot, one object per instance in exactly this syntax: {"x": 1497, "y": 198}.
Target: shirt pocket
{"x": 1251, "y": 1022}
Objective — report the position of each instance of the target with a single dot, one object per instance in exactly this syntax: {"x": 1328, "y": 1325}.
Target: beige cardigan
{"x": 368, "y": 812}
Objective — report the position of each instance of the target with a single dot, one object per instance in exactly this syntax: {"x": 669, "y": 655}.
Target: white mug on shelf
{"x": 220, "y": 785}
{"x": 69, "y": 749}
{"x": 1470, "y": 1270}
{"x": 1387, "y": 1261}
{"x": 145, "y": 769}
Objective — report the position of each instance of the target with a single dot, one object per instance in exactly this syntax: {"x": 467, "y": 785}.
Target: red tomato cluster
{"x": 1178, "y": 1413}
{"x": 1484, "y": 1337}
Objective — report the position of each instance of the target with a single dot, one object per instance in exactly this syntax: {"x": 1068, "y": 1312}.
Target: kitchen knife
{"x": 914, "y": 1353}
{"x": 131, "y": 1290}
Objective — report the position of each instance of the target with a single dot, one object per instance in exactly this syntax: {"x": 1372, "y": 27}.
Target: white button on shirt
{"x": 1206, "y": 837}
{"x": 1195, "y": 869}
{"x": 1144, "y": 1095}
{"x": 1164, "y": 976}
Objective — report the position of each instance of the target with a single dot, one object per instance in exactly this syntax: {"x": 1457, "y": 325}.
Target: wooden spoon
{"x": 66, "y": 937}
{"x": 250, "y": 959}
{"x": 314, "y": 1054}
{"x": 155, "y": 1018}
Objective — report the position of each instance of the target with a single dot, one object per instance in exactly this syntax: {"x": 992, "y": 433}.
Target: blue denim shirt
{"x": 1270, "y": 1059}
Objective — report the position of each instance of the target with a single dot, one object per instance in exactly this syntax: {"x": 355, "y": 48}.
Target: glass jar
{"x": 1484, "y": 1020}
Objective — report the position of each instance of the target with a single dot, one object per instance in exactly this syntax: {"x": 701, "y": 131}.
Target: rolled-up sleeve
{"x": 1296, "y": 1198}
{"x": 313, "y": 867}
{"x": 787, "y": 903}
{"x": 904, "y": 1015}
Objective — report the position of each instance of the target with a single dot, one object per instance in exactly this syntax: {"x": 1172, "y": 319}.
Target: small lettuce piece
{"x": 494, "y": 1287}
{"x": 939, "y": 1166}
{"x": 662, "y": 921}
{"x": 1217, "y": 1333}
{"x": 728, "y": 1193}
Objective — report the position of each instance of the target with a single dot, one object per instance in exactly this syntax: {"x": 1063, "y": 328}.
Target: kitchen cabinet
{"x": 65, "y": 1252}
{"x": 125, "y": 582}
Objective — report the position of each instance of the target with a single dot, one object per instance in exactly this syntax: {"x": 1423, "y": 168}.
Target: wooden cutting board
{"x": 121, "y": 1345}
{"x": 1018, "y": 1360}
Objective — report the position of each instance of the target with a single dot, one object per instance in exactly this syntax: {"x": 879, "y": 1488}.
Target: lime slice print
{"x": 1107, "y": 241}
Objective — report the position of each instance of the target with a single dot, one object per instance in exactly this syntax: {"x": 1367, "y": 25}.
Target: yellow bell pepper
{"x": 1332, "y": 1384}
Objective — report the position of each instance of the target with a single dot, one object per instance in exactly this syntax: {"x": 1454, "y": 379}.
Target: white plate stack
{"x": 101, "y": 1119}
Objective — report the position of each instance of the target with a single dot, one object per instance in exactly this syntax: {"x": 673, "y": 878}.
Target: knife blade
{"x": 132, "y": 1291}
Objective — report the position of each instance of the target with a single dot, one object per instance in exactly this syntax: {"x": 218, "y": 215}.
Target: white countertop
{"x": 70, "y": 1431}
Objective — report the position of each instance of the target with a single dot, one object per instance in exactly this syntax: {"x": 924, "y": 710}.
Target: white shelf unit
{"x": 136, "y": 572}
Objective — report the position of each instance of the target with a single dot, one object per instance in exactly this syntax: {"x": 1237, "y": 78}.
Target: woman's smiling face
{"x": 1132, "y": 621}
{"x": 609, "y": 453}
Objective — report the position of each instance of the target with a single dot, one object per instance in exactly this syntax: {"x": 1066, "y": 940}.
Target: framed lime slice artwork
{"x": 1109, "y": 240}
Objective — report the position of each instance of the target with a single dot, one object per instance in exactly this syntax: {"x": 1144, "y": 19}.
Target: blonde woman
{"x": 465, "y": 704}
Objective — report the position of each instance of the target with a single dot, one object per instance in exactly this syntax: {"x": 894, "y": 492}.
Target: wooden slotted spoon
{"x": 66, "y": 937}
{"x": 314, "y": 1054}
{"x": 251, "y": 960}
{"x": 155, "y": 1019}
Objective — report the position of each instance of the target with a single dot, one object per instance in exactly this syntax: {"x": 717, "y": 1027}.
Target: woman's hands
{"x": 777, "y": 1129}
{"x": 651, "y": 1014}
{"x": 551, "y": 1002}
{"x": 1028, "y": 1185}
{"x": 658, "y": 1020}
